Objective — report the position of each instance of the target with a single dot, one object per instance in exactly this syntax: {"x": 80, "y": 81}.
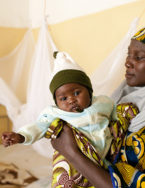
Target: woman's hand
{"x": 65, "y": 143}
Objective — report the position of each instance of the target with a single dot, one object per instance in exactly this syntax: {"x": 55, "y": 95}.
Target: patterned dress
{"x": 129, "y": 168}
{"x": 64, "y": 174}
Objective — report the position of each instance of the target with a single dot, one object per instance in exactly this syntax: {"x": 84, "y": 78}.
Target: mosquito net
{"x": 36, "y": 62}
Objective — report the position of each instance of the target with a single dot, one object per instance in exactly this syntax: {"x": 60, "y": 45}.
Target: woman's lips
{"x": 129, "y": 75}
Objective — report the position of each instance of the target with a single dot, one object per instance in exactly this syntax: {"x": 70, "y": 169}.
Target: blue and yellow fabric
{"x": 129, "y": 169}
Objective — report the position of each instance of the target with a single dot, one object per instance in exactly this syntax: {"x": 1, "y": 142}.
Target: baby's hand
{"x": 10, "y": 138}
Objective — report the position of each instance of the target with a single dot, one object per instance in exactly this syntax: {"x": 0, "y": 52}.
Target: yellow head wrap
{"x": 140, "y": 35}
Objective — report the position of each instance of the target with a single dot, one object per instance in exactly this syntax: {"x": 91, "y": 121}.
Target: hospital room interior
{"x": 92, "y": 32}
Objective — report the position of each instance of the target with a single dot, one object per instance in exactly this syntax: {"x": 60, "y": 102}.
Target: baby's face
{"x": 72, "y": 97}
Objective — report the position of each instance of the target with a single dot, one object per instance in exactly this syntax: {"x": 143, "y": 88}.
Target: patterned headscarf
{"x": 140, "y": 35}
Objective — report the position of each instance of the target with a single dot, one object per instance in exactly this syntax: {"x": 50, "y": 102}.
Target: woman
{"x": 128, "y": 170}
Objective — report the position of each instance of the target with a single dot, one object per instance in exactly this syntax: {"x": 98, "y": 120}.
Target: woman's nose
{"x": 129, "y": 62}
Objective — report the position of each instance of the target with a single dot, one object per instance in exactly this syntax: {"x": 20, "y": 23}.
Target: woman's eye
{"x": 63, "y": 98}
{"x": 139, "y": 58}
{"x": 77, "y": 93}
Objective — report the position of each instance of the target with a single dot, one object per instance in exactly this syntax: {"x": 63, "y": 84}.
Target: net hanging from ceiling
{"x": 36, "y": 62}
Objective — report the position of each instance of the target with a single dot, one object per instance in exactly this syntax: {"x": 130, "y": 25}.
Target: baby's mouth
{"x": 77, "y": 109}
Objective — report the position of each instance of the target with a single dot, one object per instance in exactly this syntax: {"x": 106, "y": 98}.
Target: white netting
{"x": 36, "y": 63}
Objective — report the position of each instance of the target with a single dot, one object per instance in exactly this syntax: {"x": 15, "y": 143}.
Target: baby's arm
{"x": 11, "y": 138}
{"x": 29, "y": 133}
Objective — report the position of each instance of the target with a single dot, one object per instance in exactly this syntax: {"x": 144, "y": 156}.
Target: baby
{"x": 72, "y": 92}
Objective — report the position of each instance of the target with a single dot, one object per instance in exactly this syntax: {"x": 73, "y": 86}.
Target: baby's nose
{"x": 72, "y": 100}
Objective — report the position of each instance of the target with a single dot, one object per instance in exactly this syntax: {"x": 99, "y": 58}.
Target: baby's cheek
{"x": 64, "y": 107}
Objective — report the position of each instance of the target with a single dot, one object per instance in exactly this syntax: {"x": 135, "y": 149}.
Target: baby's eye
{"x": 76, "y": 93}
{"x": 63, "y": 98}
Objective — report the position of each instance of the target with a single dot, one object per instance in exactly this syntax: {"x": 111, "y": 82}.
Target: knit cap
{"x": 65, "y": 71}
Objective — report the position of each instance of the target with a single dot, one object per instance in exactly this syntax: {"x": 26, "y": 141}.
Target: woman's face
{"x": 135, "y": 64}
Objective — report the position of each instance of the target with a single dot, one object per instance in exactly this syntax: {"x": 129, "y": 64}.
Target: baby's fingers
{"x": 6, "y": 143}
{"x": 6, "y": 139}
{"x": 6, "y": 135}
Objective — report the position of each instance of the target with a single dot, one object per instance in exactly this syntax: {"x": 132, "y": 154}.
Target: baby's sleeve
{"x": 106, "y": 107}
{"x": 36, "y": 131}
{"x": 114, "y": 113}
{"x": 31, "y": 133}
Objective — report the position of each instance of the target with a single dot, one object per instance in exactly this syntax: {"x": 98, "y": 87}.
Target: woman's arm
{"x": 66, "y": 145}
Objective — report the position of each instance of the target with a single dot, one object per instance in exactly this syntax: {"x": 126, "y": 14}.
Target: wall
{"x": 89, "y": 39}
{"x": 26, "y": 13}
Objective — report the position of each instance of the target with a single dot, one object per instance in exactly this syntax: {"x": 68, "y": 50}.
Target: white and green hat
{"x": 65, "y": 71}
